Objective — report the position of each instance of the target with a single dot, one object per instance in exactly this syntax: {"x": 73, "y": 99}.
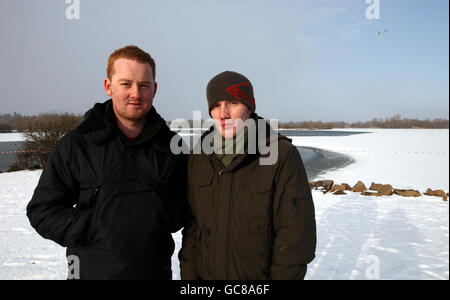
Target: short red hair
{"x": 130, "y": 52}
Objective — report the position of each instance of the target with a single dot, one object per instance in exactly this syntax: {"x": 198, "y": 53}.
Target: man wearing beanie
{"x": 249, "y": 220}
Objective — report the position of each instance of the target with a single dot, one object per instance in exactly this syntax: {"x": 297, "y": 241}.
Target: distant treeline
{"x": 10, "y": 122}
{"x": 7, "y": 122}
{"x": 5, "y": 127}
{"x": 18, "y": 122}
{"x": 41, "y": 133}
{"x": 394, "y": 122}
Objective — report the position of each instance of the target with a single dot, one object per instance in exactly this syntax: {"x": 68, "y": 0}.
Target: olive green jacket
{"x": 249, "y": 221}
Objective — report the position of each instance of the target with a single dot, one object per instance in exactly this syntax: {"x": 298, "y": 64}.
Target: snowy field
{"x": 11, "y": 137}
{"x": 388, "y": 237}
{"x": 359, "y": 237}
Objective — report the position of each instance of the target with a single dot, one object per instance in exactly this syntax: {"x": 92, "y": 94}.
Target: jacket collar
{"x": 100, "y": 126}
{"x": 271, "y": 135}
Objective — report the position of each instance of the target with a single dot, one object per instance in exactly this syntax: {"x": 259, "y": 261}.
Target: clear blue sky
{"x": 307, "y": 60}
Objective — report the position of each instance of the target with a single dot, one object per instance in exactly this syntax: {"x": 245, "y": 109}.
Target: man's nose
{"x": 224, "y": 112}
{"x": 135, "y": 92}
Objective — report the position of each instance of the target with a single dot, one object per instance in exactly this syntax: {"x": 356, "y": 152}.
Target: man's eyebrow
{"x": 129, "y": 80}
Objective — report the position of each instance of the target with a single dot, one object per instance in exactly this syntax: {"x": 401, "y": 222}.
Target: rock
{"x": 407, "y": 193}
{"x": 368, "y": 193}
{"x": 338, "y": 188}
{"x": 312, "y": 184}
{"x": 326, "y": 185}
{"x": 359, "y": 187}
{"x": 339, "y": 193}
{"x": 347, "y": 187}
{"x": 437, "y": 193}
{"x": 384, "y": 189}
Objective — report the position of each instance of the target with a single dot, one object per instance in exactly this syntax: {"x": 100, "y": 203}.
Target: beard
{"x": 124, "y": 111}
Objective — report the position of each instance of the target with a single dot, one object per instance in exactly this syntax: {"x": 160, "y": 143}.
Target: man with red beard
{"x": 112, "y": 192}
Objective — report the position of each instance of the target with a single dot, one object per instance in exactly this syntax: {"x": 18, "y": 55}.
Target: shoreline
{"x": 318, "y": 162}
{"x": 315, "y": 160}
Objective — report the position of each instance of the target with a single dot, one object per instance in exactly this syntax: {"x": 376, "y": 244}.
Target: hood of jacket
{"x": 271, "y": 134}
{"x": 100, "y": 125}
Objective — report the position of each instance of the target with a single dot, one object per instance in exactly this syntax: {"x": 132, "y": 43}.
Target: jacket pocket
{"x": 258, "y": 247}
{"x": 87, "y": 199}
{"x": 204, "y": 255}
{"x": 130, "y": 222}
{"x": 88, "y": 196}
{"x": 202, "y": 196}
{"x": 256, "y": 196}
{"x": 293, "y": 207}
{"x": 208, "y": 252}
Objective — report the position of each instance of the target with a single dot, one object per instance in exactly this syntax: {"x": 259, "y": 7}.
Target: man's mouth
{"x": 227, "y": 125}
{"x": 135, "y": 104}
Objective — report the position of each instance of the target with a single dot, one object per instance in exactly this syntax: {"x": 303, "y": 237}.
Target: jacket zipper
{"x": 228, "y": 231}
{"x": 228, "y": 234}
{"x": 94, "y": 202}
{"x": 94, "y": 196}
{"x": 94, "y": 207}
{"x": 295, "y": 207}
{"x": 208, "y": 243}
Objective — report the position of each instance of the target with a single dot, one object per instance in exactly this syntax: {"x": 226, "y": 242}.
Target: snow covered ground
{"x": 359, "y": 237}
{"x": 11, "y": 137}
{"x": 412, "y": 158}
{"x": 389, "y": 237}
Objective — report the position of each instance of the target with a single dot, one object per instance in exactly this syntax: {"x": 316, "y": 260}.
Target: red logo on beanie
{"x": 239, "y": 94}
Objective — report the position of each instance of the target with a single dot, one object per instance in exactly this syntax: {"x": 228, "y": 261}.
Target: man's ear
{"x": 107, "y": 84}
{"x": 156, "y": 87}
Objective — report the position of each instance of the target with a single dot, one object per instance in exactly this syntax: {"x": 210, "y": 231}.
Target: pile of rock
{"x": 375, "y": 189}
{"x": 438, "y": 193}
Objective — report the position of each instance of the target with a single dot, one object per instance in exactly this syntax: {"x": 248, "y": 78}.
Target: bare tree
{"x": 41, "y": 133}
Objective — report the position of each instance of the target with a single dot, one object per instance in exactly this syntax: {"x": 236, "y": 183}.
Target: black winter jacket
{"x": 113, "y": 203}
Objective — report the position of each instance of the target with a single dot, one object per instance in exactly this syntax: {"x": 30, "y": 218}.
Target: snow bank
{"x": 389, "y": 237}
{"x": 404, "y": 158}
{"x": 23, "y": 253}
{"x": 399, "y": 238}
{"x": 11, "y": 137}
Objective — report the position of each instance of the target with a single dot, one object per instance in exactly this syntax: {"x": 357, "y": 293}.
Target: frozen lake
{"x": 8, "y": 159}
{"x": 316, "y": 162}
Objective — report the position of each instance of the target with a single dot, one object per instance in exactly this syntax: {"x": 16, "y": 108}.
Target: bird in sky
{"x": 380, "y": 33}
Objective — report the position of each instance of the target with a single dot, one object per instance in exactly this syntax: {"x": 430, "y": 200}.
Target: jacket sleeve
{"x": 294, "y": 220}
{"x": 186, "y": 255}
{"x": 51, "y": 210}
{"x": 177, "y": 194}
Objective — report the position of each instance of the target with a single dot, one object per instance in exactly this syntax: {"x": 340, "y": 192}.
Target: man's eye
{"x": 125, "y": 84}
